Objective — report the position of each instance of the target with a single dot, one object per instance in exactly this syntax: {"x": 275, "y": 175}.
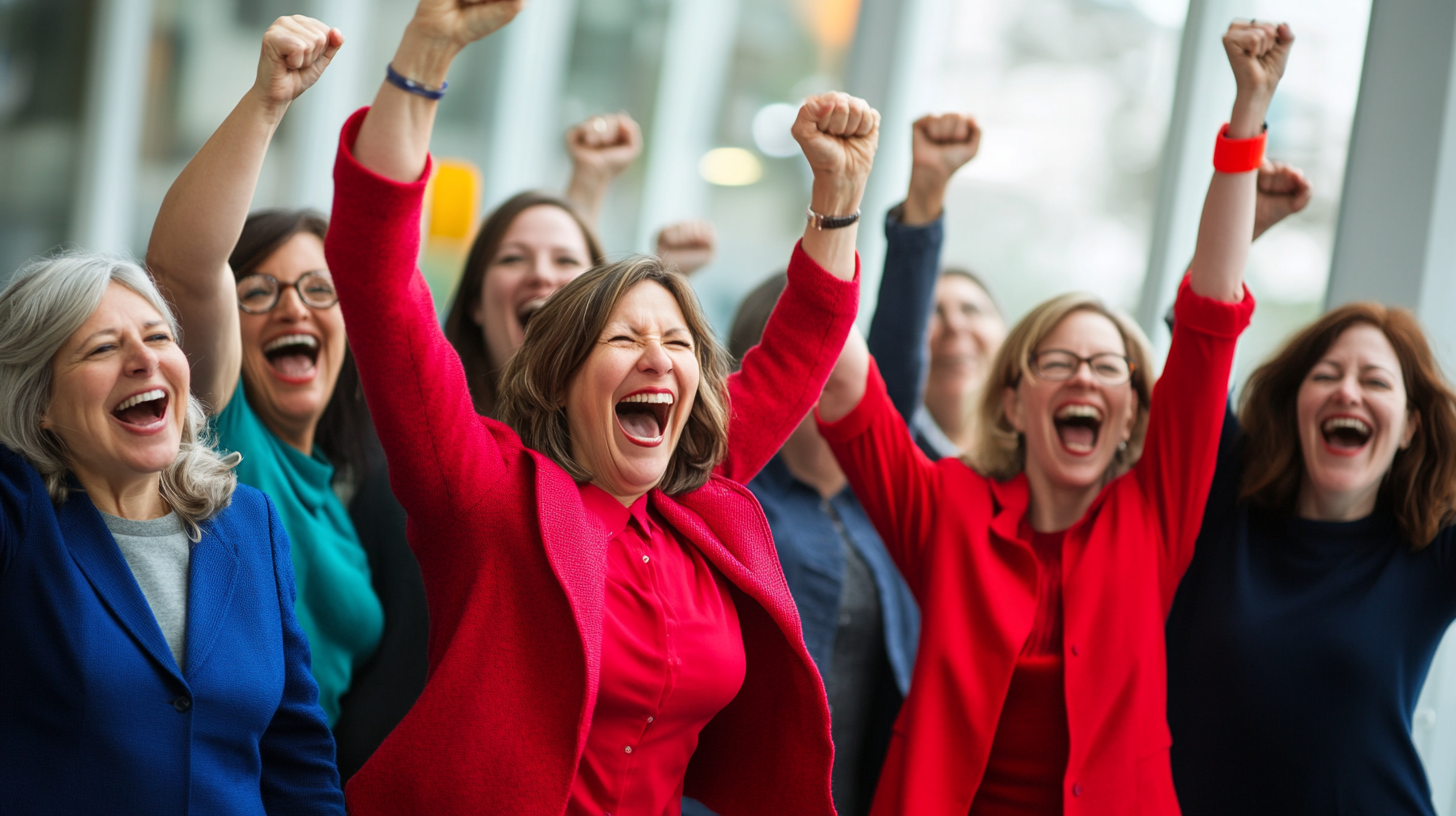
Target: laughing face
{"x": 1073, "y": 427}
{"x": 119, "y": 397}
{"x": 628, "y": 403}
{"x": 292, "y": 354}
{"x": 542, "y": 250}
{"x": 965, "y": 332}
{"x": 1353, "y": 417}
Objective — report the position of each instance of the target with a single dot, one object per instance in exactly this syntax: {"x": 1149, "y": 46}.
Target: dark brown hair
{"x": 560, "y": 338}
{"x": 752, "y": 316}
{"x": 344, "y": 427}
{"x": 461, "y": 330}
{"x": 1420, "y": 486}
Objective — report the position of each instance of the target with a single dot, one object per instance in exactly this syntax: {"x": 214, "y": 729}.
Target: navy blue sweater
{"x": 1296, "y": 652}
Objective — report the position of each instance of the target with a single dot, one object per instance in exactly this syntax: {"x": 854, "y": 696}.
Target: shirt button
{"x": 1076, "y": 788}
{"x": 628, "y": 749}
{"x": 645, "y": 559}
{"x": 650, "y": 719}
{"x": 182, "y": 703}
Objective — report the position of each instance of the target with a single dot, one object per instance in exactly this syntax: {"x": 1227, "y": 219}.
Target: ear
{"x": 1412, "y": 424}
{"x": 1012, "y": 407}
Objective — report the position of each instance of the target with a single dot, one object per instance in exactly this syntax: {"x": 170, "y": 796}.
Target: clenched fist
{"x": 1258, "y": 53}
{"x": 687, "y": 245}
{"x": 296, "y": 50}
{"x": 605, "y": 144}
{"x": 943, "y": 143}
{"x": 462, "y": 22}
{"x": 1283, "y": 191}
{"x": 838, "y": 134}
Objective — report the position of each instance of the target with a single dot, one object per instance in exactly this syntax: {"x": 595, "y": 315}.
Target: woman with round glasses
{"x": 270, "y": 358}
{"x": 1045, "y": 573}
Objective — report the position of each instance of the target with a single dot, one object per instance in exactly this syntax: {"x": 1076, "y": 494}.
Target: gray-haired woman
{"x": 152, "y": 660}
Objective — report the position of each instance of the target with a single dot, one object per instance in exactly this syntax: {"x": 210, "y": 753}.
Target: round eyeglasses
{"x": 258, "y": 294}
{"x": 1057, "y": 365}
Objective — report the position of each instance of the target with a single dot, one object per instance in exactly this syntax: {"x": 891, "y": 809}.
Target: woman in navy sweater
{"x": 1324, "y": 578}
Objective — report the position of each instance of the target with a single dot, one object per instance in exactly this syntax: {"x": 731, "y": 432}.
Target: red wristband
{"x": 1238, "y": 155}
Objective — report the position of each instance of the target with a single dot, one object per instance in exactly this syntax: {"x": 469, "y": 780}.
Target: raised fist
{"x": 1283, "y": 191}
{"x": 462, "y": 22}
{"x": 1258, "y": 53}
{"x": 296, "y": 50}
{"x": 687, "y": 245}
{"x": 838, "y": 134}
{"x": 943, "y": 143}
{"x": 605, "y": 144}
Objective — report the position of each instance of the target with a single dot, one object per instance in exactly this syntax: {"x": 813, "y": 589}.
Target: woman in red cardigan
{"x": 1044, "y": 576}
{"x": 610, "y": 628}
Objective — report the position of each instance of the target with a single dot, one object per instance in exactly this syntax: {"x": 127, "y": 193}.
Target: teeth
{"x": 1079, "y": 411}
{"x": 145, "y": 396}
{"x": 1352, "y": 423}
{"x": 306, "y": 340}
{"x": 530, "y": 307}
{"x": 661, "y": 399}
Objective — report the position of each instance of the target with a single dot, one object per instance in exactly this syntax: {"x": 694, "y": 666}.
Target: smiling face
{"x": 542, "y": 250}
{"x": 120, "y": 391}
{"x": 292, "y": 354}
{"x": 1353, "y": 418}
{"x": 1073, "y": 428}
{"x": 627, "y": 404}
{"x": 965, "y": 332}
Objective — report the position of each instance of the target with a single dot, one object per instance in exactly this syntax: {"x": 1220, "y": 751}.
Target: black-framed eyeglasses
{"x": 258, "y": 294}
{"x": 1058, "y": 364}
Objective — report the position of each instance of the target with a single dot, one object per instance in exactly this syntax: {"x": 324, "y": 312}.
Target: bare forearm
{"x": 394, "y": 140}
{"x": 846, "y": 385}
{"x": 925, "y": 200}
{"x": 834, "y": 249}
{"x": 1228, "y": 215}
{"x": 588, "y": 190}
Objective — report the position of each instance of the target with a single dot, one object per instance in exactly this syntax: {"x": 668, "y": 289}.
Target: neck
{"x": 138, "y": 499}
{"x": 298, "y": 435}
{"x": 810, "y": 460}
{"x": 627, "y": 499}
{"x": 1322, "y": 505}
{"x": 952, "y": 411}
{"x": 1055, "y": 507}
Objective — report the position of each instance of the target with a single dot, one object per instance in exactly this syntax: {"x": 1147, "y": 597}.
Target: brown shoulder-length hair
{"x": 1420, "y": 486}
{"x": 461, "y": 330}
{"x": 344, "y": 427}
{"x": 561, "y": 336}
{"x": 1000, "y": 451}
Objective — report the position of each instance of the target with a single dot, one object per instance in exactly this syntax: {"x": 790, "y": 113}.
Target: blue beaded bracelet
{"x": 404, "y": 83}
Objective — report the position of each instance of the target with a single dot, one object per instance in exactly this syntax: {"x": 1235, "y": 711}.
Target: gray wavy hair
{"x": 46, "y": 301}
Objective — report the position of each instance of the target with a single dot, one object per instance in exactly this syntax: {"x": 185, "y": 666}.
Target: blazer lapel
{"x": 750, "y": 568}
{"x": 100, "y": 560}
{"x": 212, "y": 575}
{"x": 577, "y": 550}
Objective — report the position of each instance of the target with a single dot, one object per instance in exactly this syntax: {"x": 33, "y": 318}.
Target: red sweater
{"x": 956, "y": 537}
{"x": 516, "y": 579}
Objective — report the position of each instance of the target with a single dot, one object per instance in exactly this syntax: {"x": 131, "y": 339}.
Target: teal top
{"x": 336, "y": 603}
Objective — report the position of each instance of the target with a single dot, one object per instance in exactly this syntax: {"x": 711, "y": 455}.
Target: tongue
{"x": 639, "y": 422}
{"x": 293, "y": 365}
{"x": 1077, "y": 437}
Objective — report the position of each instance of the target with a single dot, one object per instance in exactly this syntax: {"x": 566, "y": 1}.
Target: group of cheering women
{"x": 648, "y": 574}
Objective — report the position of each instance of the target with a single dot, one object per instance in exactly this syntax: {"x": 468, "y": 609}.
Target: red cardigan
{"x": 954, "y": 535}
{"x": 515, "y": 583}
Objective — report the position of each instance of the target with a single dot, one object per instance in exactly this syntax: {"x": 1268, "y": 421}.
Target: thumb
{"x": 335, "y": 42}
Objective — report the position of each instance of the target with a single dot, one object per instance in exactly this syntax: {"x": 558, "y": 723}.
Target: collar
{"x": 610, "y": 513}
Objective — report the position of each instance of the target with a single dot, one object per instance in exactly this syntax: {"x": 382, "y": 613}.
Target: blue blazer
{"x": 95, "y": 716}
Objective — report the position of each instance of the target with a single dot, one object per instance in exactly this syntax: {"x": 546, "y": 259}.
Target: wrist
{"x": 924, "y": 202}
{"x": 1248, "y": 116}
{"x": 424, "y": 57}
{"x": 835, "y": 196}
{"x": 267, "y": 108}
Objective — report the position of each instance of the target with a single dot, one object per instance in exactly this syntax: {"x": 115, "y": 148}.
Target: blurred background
{"x": 1099, "y": 119}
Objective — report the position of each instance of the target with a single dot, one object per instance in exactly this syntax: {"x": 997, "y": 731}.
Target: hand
{"x": 459, "y": 23}
{"x": 687, "y": 245}
{"x": 1283, "y": 191}
{"x": 605, "y": 144}
{"x": 940, "y": 146}
{"x": 838, "y": 134}
{"x": 296, "y": 50}
{"x": 1258, "y": 53}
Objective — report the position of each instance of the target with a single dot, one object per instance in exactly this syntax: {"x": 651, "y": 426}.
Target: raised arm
{"x": 782, "y": 376}
{"x": 202, "y": 214}
{"x": 601, "y": 149}
{"x": 914, "y": 235}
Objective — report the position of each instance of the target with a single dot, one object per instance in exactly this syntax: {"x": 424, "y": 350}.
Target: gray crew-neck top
{"x": 158, "y": 552}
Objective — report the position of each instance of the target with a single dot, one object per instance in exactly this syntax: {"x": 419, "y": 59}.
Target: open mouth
{"x": 528, "y": 310}
{"x": 1346, "y": 434}
{"x": 145, "y": 410}
{"x": 643, "y": 416}
{"x": 293, "y": 357}
{"x": 1078, "y": 427}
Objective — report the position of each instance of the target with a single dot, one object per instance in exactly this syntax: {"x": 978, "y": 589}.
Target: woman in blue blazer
{"x": 151, "y": 662}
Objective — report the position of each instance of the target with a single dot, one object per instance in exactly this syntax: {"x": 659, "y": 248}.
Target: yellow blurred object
{"x": 730, "y": 167}
{"x": 830, "y": 22}
{"x": 454, "y": 193}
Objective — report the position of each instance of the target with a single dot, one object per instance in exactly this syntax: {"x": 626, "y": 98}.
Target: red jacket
{"x": 516, "y": 585}
{"x": 954, "y": 535}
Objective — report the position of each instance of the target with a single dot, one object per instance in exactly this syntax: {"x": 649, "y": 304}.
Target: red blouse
{"x": 672, "y": 658}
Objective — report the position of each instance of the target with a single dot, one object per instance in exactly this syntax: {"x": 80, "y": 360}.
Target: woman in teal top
{"x": 266, "y": 341}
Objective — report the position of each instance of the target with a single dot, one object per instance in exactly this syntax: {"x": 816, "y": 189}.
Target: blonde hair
{"x": 562, "y": 335}
{"x": 45, "y": 303}
{"x": 1000, "y": 451}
